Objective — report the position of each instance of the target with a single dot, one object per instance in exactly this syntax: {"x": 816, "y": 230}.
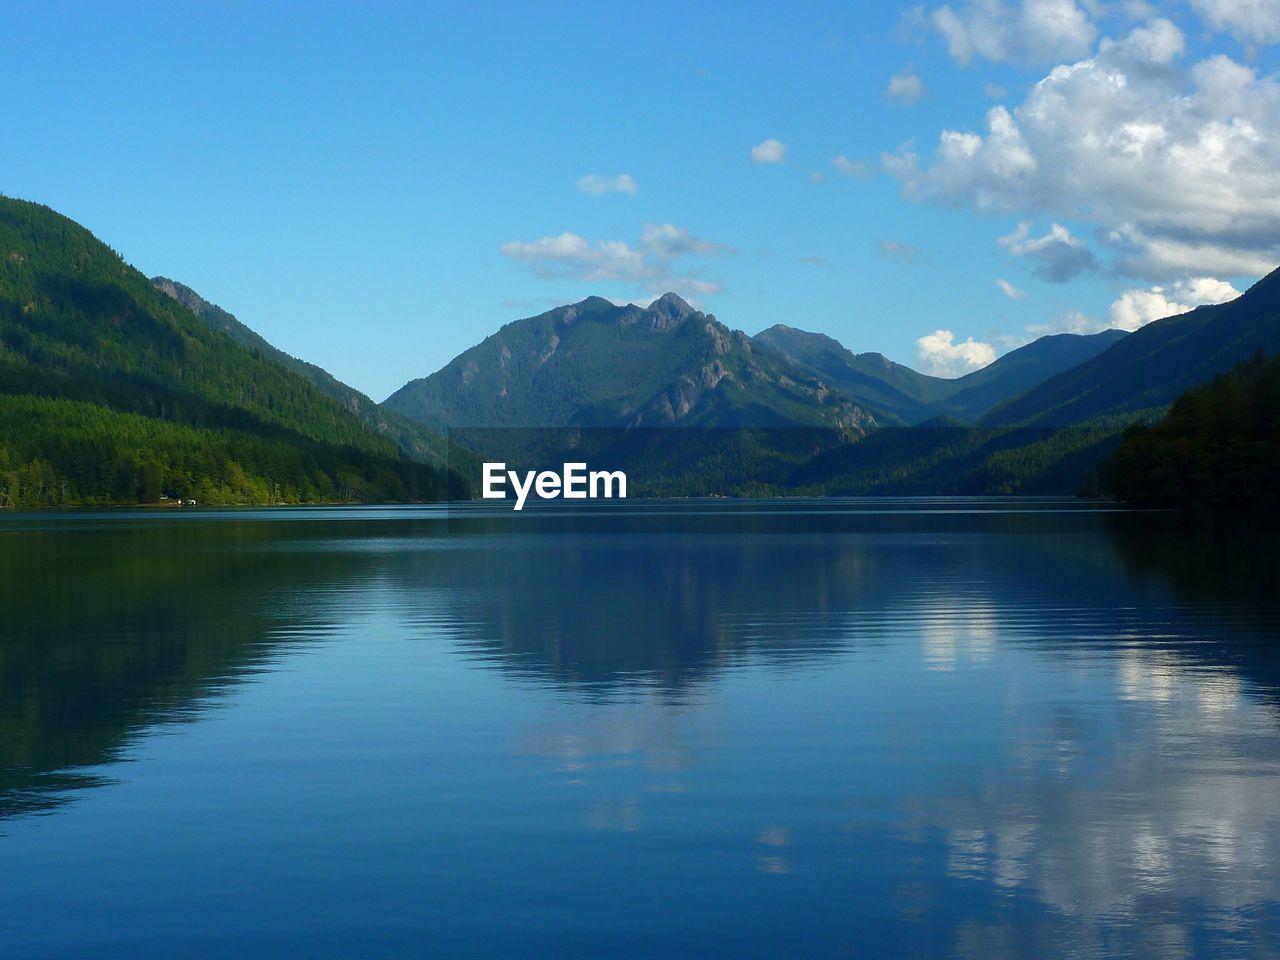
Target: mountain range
{"x": 594, "y": 363}
{"x": 115, "y": 388}
{"x": 910, "y": 397}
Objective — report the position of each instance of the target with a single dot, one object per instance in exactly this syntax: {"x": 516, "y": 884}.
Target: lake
{"x": 894, "y": 728}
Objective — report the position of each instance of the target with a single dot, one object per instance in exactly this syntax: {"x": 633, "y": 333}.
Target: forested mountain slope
{"x": 418, "y": 442}
{"x": 111, "y": 391}
{"x": 1219, "y": 445}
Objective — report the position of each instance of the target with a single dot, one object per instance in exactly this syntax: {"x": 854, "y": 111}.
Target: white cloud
{"x": 905, "y": 87}
{"x": 1249, "y": 21}
{"x": 1201, "y": 291}
{"x": 817, "y": 176}
{"x": 607, "y": 260}
{"x": 1157, "y": 42}
{"x": 895, "y": 250}
{"x": 669, "y": 240}
{"x": 1178, "y": 167}
{"x": 771, "y": 151}
{"x": 850, "y": 168}
{"x": 943, "y": 357}
{"x": 1138, "y": 9}
{"x": 1010, "y": 291}
{"x": 1034, "y": 31}
{"x": 1059, "y": 256}
{"x": 1137, "y": 307}
{"x": 596, "y": 185}
{"x": 650, "y": 267}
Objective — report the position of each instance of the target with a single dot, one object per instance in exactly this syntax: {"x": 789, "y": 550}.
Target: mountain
{"x": 871, "y": 377}
{"x": 595, "y": 364}
{"x": 913, "y": 397}
{"x": 111, "y": 391}
{"x": 1023, "y": 368}
{"x": 413, "y": 438}
{"x": 1217, "y": 447}
{"x": 1146, "y": 371}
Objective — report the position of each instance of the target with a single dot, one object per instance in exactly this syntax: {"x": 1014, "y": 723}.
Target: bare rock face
{"x": 552, "y": 345}
{"x": 686, "y": 394}
{"x": 182, "y": 293}
{"x": 713, "y": 373}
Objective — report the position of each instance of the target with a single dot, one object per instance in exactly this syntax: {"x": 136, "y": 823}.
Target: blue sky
{"x": 376, "y": 187}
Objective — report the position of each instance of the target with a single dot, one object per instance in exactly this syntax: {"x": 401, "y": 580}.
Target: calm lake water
{"x": 715, "y": 729}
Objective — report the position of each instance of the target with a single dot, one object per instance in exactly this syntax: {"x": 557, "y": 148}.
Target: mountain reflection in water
{"x": 902, "y": 727}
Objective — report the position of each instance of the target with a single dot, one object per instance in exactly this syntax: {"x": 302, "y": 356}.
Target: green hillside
{"x": 111, "y": 391}
{"x": 1219, "y": 445}
{"x": 417, "y": 442}
{"x": 940, "y": 458}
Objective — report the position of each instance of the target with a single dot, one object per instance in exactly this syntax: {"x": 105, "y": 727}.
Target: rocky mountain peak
{"x": 672, "y": 307}
{"x": 180, "y": 292}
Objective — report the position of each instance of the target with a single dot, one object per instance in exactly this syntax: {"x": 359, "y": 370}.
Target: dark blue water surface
{"x": 710, "y": 729}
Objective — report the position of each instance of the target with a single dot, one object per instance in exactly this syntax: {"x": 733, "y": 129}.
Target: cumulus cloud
{"x": 668, "y": 240}
{"x": 905, "y": 87}
{"x": 1010, "y": 291}
{"x": 1249, "y": 21}
{"x": 607, "y": 260}
{"x": 1139, "y": 306}
{"x": 943, "y": 357}
{"x": 649, "y": 267}
{"x": 597, "y": 185}
{"x": 770, "y": 151}
{"x": 1177, "y": 165}
{"x": 850, "y": 168}
{"x": 1033, "y": 31}
{"x": 1156, "y": 43}
{"x": 895, "y": 250}
{"x": 1058, "y": 255}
